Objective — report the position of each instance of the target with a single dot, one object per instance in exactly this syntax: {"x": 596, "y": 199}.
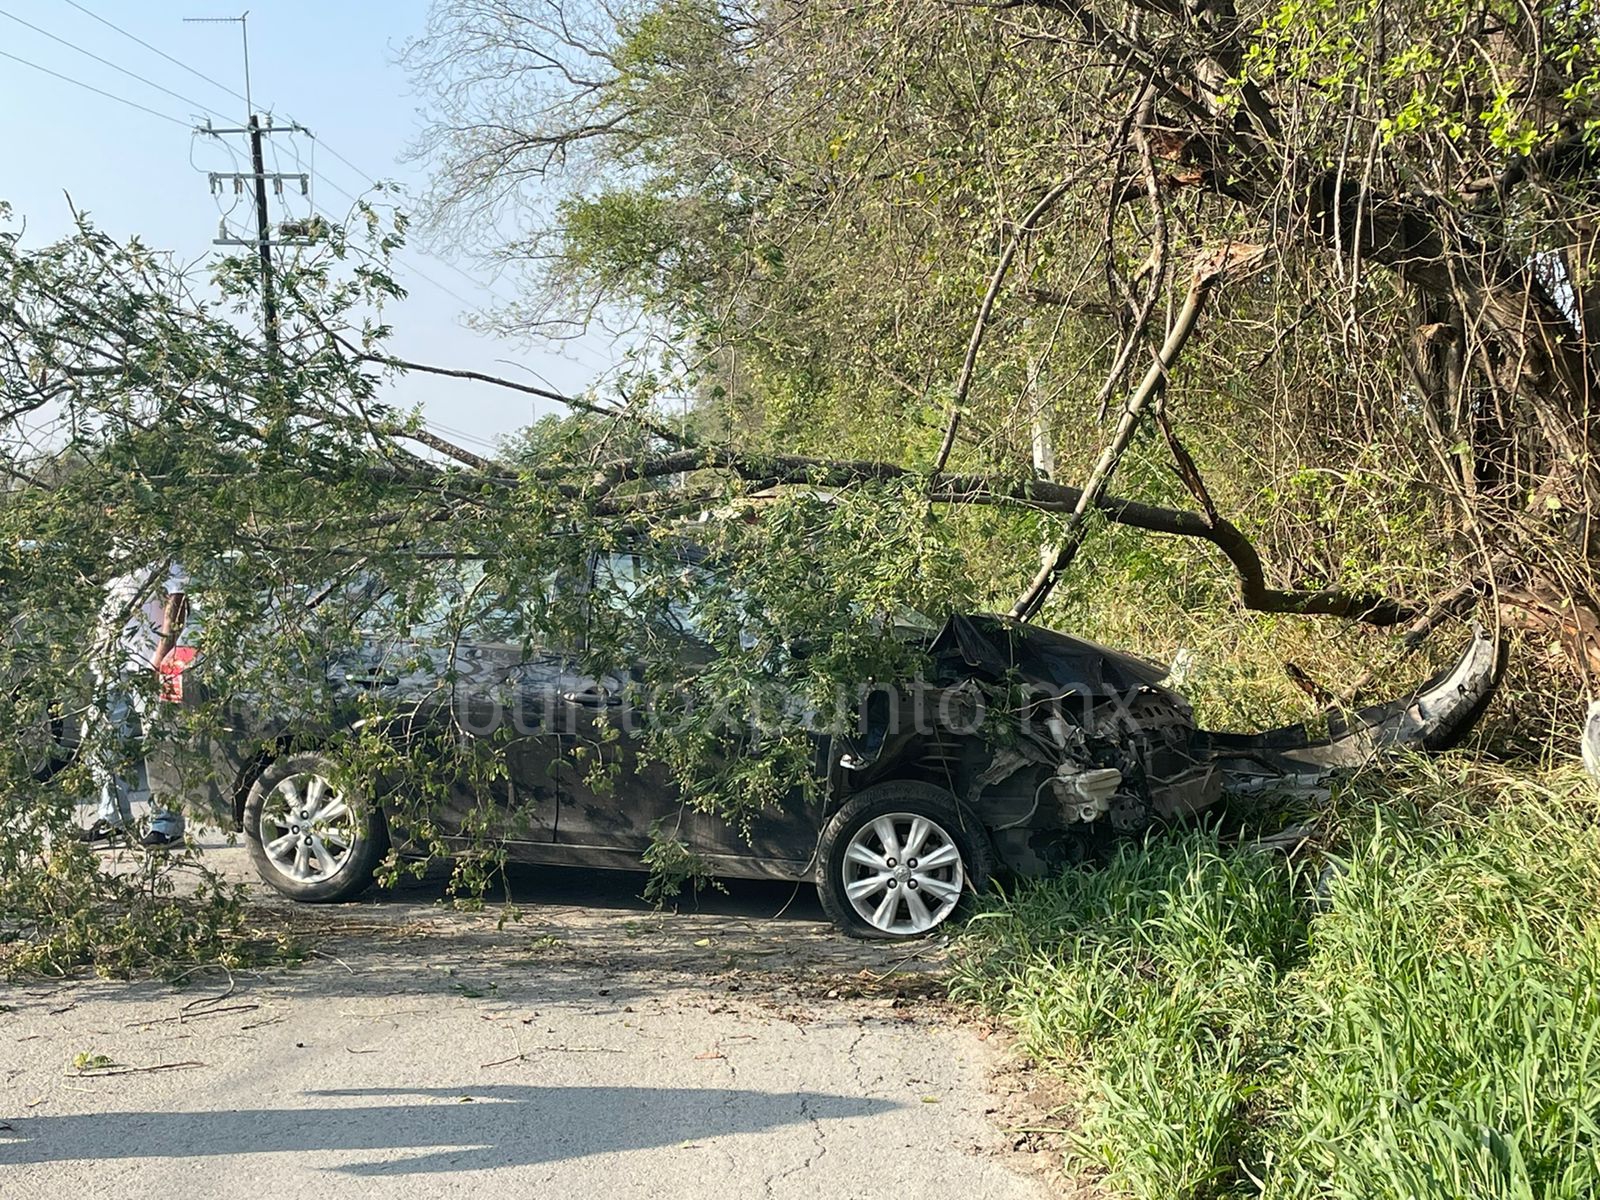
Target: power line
{"x": 447, "y": 265}
{"x": 371, "y": 182}
{"x": 176, "y": 121}
{"x": 367, "y": 178}
{"x": 97, "y": 91}
{"x": 176, "y": 62}
{"x": 594, "y": 360}
{"x": 107, "y": 62}
{"x": 420, "y": 273}
{"x": 460, "y": 434}
{"x": 426, "y": 278}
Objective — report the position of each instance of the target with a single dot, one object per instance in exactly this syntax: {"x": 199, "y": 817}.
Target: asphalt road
{"x": 596, "y": 1048}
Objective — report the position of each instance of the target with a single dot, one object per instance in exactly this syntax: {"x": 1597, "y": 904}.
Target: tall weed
{"x": 1414, "y": 1014}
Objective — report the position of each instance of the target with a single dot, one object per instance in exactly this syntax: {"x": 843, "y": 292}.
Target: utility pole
{"x": 290, "y": 234}
{"x": 269, "y": 305}
{"x": 259, "y": 177}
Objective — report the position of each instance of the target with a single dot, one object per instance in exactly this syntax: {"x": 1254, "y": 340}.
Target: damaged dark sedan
{"x": 913, "y": 808}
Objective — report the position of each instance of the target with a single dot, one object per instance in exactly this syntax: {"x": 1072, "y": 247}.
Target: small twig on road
{"x": 526, "y": 1054}
{"x": 217, "y": 999}
{"x": 915, "y": 954}
{"x": 104, "y": 1072}
{"x": 333, "y": 958}
{"x": 184, "y": 1017}
{"x": 198, "y": 967}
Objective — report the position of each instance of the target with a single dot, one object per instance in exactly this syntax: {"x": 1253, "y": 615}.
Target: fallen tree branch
{"x": 1254, "y": 592}
{"x": 797, "y": 470}
{"x": 1187, "y": 469}
{"x": 1208, "y": 271}
{"x": 460, "y": 453}
{"x": 655, "y": 429}
{"x": 600, "y": 494}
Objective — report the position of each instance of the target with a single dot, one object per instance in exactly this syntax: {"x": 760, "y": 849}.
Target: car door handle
{"x": 593, "y": 698}
{"x": 373, "y": 679}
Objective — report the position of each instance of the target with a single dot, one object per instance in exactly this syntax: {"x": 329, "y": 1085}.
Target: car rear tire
{"x": 311, "y": 838}
{"x": 897, "y": 861}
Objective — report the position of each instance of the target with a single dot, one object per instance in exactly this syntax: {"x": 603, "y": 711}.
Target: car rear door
{"x": 464, "y": 672}
{"x": 498, "y": 706}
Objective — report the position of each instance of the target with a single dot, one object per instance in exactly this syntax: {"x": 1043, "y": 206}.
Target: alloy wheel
{"x": 903, "y": 873}
{"x": 307, "y": 828}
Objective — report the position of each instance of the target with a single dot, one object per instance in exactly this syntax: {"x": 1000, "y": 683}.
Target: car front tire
{"x": 898, "y": 860}
{"x": 312, "y": 837}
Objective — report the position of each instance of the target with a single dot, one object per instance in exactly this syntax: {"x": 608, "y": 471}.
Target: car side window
{"x": 488, "y": 618}
{"x": 462, "y": 606}
{"x": 623, "y": 582}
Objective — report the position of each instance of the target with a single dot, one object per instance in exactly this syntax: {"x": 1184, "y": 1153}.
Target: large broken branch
{"x": 1254, "y": 591}
{"x": 671, "y": 436}
{"x": 448, "y": 448}
{"x": 796, "y": 470}
{"x": 1208, "y": 271}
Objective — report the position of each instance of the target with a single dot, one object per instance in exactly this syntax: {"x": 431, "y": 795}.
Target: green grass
{"x": 1427, "y": 1025}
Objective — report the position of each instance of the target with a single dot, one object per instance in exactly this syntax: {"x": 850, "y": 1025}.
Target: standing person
{"x": 144, "y": 611}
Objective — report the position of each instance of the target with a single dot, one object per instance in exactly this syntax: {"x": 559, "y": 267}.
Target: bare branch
{"x": 1208, "y": 271}
{"x": 979, "y": 326}
{"x": 604, "y": 410}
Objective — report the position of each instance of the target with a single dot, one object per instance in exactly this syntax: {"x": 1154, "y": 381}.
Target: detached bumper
{"x": 1434, "y": 717}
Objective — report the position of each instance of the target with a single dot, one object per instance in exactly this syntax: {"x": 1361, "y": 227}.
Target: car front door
{"x": 614, "y": 798}
{"x": 500, "y": 705}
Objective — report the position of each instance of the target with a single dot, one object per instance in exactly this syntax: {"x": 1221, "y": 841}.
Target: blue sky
{"x": 329, "y": 66}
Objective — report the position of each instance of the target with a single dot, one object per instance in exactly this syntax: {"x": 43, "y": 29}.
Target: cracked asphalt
{"x": 597, "y": 1047}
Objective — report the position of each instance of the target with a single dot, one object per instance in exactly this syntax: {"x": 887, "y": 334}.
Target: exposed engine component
{"x": 1126, "y": 759}
{"x": 1085, "y": 793}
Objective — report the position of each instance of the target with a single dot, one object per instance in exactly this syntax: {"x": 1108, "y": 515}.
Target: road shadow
{"x": 623, "y": 891}
{"x": 502, "y": 1126}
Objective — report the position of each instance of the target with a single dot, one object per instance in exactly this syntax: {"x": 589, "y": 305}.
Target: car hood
{"x": 994, "y": 647}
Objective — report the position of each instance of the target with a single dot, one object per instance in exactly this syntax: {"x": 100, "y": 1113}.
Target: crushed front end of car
{"x": 1092, "y": 744}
